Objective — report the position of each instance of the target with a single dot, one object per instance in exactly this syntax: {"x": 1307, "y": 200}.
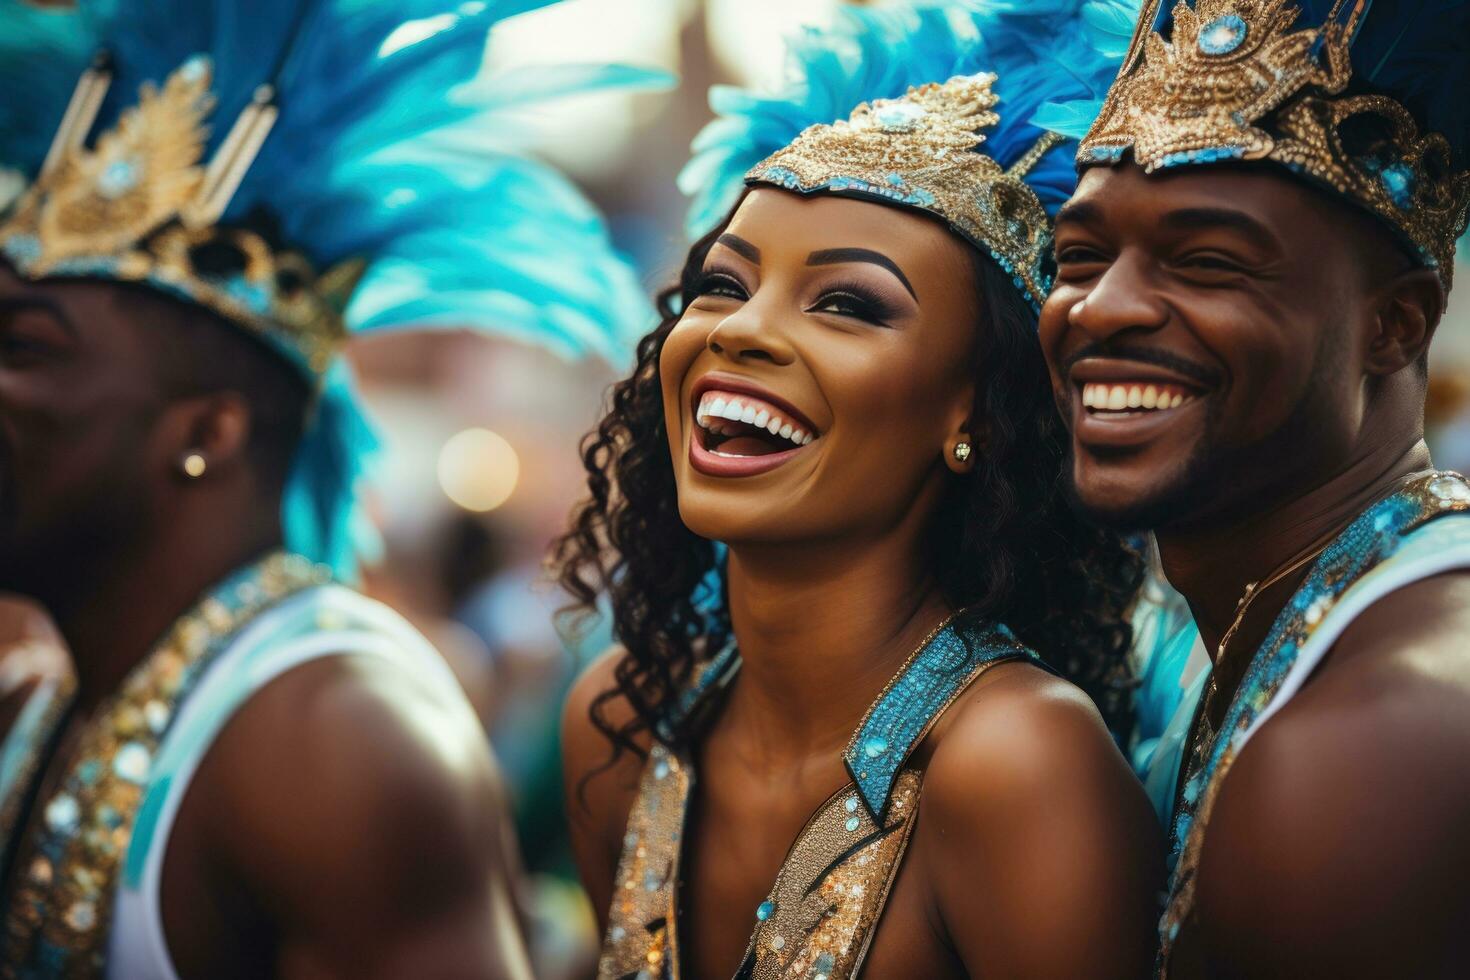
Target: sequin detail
{"x": 822, "y": 911}
{"x": 832, "y": 888}
{"x": 60, "y": 909}
{"x": 922, "y": 151}
{"x": 934, "y": 676}
{"x": 1366, "y": 543}
{"x": 1238, "y": 80}
{"x": 640, "y": 936}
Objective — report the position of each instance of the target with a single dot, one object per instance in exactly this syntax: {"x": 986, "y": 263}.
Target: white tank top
{"x": 1440, "y": 546}
{"x": 318, "y": 622}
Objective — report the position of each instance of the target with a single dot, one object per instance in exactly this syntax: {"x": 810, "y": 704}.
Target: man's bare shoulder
{"x": 350, "y": 777}
{"x": 1355, "y": 791}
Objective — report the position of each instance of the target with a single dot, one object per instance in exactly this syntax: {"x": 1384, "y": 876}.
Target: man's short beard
{"x": 1216, "y": 484}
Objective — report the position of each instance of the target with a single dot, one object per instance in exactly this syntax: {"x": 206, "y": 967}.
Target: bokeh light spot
{"x": 478, "y": 469}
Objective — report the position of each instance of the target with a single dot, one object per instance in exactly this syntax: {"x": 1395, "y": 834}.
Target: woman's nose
{"x": 752, "y": 333}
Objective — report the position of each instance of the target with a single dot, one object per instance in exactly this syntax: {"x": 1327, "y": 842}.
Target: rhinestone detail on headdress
{"x": 142, "y": 203}
{"x": 1235, "y": 82}
{"x": 919, "y": 151}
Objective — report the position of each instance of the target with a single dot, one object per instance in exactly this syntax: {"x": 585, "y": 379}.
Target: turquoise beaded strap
{"x": 898, "y": 721}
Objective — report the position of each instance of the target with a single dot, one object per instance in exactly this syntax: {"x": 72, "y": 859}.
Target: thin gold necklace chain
{"x": 1253, "y": 589}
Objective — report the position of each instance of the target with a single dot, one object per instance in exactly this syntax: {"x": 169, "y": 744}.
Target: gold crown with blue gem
{"x": 1309, "y": 87}
{"x": 143, "y": 205}
{"x": 919, "y": 151}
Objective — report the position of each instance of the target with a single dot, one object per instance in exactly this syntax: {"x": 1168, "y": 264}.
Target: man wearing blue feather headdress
{"x": 1249, "y": 276}
{"x": 258, "y": 771}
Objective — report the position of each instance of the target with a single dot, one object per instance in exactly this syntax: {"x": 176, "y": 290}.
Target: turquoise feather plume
{"x": 393, "y": 147}
{"x": 1053, "y": 58}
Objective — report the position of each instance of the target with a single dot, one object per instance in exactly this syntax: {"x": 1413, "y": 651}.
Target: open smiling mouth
{"x": 742, "y": 426}
{"x": 1127, "y": 400}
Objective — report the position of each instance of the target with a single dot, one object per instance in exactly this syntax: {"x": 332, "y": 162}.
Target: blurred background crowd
{"x": 479, "y": 466}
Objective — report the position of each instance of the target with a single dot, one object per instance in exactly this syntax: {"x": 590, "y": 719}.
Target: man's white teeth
{"x": 715, "y": 410}
{"x": 1127, "y": 397}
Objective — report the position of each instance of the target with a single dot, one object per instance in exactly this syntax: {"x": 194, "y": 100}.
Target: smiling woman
{"x": 847, "y": 393}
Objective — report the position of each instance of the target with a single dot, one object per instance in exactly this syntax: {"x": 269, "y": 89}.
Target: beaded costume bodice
{"x": 1370, "y": 543}
{"x": 65, "y": 864}
{"x": 820, "y": 915}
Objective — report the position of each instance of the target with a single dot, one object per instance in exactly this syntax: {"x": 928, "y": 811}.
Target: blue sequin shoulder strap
{"x": 935, "y": 675}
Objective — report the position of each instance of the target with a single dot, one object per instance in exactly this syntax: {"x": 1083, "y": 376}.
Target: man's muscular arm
{"x": 1338, "y": 846}
{"x": 360, "y": 809}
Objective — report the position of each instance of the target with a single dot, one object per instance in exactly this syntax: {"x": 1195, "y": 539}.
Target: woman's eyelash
{"x": 858, "y": 301}
{"x": 716, "y": 283}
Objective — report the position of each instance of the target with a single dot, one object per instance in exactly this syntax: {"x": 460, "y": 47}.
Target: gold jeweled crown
{"x": 919, "y": 151}
{"x": 1234, "y": 82}
{"x": 141, "y": 206}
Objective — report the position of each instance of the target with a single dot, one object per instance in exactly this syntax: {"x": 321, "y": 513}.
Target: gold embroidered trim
{"x": 60, "y": 910}
{"x": 921, "y": 151}
{"x": 1235, "y": 83}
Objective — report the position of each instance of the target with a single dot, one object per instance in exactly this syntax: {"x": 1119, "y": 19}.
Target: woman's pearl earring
{"x": 194, "y": 465}
{"x": 962, "y": 452}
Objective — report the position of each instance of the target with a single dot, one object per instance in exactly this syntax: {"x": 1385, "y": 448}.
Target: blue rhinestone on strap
{"x": 902, "y": 714}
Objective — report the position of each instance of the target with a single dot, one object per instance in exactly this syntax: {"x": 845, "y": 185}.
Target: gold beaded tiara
{"x": 918, "y": 151}
{"x": 142, "y": 205}
{"x": 1235, "y": 82}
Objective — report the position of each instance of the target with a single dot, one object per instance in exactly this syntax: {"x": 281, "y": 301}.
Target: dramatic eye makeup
{"x": 856, "y": 299}
{"x": 719, "y": 281}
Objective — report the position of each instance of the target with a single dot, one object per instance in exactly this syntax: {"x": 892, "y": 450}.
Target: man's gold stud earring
{"x": 194, "y": 466}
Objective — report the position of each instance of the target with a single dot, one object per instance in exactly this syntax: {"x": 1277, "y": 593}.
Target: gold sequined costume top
{"x": 824, "y": 906}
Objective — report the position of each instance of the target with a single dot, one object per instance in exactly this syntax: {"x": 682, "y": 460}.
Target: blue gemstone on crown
{"x": 1398, "y": 180}
{"x": 1223, "y": 35}
{"x": 117, "y": 178}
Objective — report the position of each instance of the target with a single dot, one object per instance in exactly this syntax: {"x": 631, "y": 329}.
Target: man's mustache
{"x": 1207, "y": 377}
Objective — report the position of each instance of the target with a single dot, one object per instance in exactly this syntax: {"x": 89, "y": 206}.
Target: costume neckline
{"x": 915, "y": 697}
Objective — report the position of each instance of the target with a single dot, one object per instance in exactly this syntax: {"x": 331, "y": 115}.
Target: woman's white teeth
{"x": 716, "y": 410}
{"x": 1127, "y": 397}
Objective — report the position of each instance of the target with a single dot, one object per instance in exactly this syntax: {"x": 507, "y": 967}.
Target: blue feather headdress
{"x": 1365, "y": 98}
{"x": 364, "y": 137}
{"x": 1052, "y": 60}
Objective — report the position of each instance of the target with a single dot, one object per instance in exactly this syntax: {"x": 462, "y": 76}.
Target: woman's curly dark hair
{"x": 1021, "y": 555}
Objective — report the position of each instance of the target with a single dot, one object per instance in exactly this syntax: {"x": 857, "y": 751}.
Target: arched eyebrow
{"x": 740, "y": 246}
{"x": 833, "y": 256}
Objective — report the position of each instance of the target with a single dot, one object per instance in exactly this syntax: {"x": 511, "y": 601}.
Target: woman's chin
{"x": 739, "y": 516}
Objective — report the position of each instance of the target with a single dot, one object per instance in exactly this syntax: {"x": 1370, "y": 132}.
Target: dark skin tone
{"x": 346, "y": 822}
{"x": 1336, "y": 845}
{"x": 1034, "y": 854}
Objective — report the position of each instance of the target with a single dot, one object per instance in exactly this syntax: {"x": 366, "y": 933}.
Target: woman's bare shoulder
{"x": 1030, "y": 808}
{"x": 604, "y": 783}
